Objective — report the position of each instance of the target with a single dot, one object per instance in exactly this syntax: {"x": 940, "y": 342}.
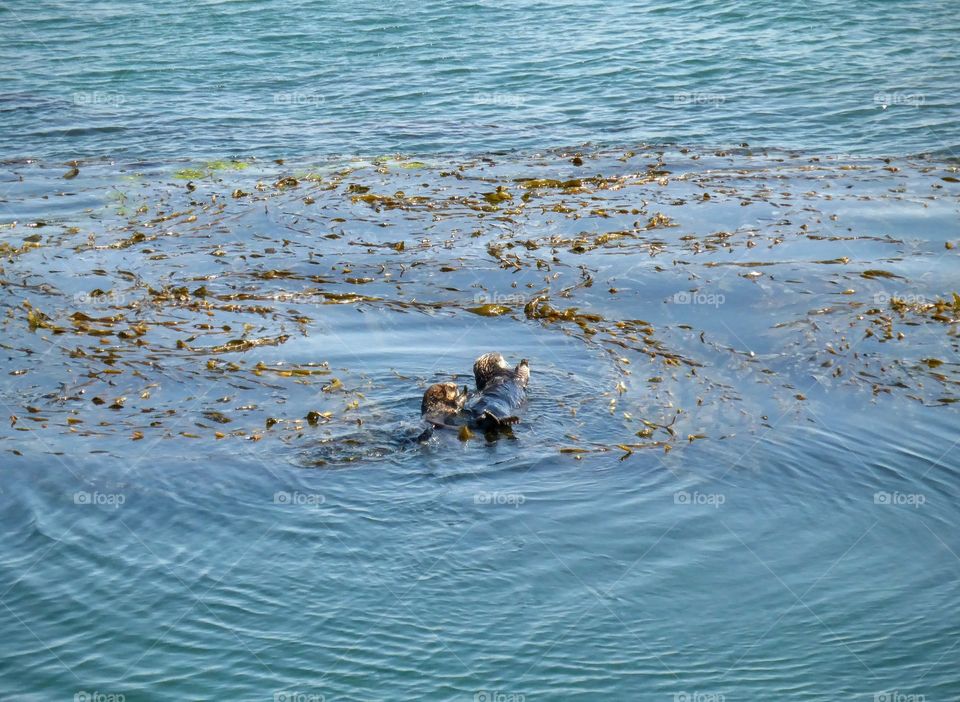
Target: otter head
{"x": 443, "y": 399}
{"x": 487, "y": 367}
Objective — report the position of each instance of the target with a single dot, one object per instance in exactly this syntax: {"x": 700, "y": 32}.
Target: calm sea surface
{"x": 165, "y": 79}
{"x": 238, "y": 239}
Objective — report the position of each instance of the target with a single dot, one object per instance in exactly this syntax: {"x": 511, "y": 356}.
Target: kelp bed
{"x": 710, "y": 293}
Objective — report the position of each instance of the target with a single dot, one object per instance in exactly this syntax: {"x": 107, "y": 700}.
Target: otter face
{"x": 487, "y": 367}
{"x": 443, "y": 398}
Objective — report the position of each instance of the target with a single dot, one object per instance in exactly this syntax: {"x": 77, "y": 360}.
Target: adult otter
{"x": 501, "y": 390}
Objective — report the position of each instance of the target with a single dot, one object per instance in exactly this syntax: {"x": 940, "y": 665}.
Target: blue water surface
{"x": 736, "y": 477}
{"x": 170, "y": 79}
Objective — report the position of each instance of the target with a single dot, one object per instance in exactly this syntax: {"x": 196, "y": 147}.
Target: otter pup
{"x": 442, "y": 402}
{"x": 441, "y": 405}
{"x": 501, "y": 390}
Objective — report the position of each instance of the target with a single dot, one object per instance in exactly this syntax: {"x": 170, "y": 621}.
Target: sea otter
{"x": 441, "y": 407}
{"x": 501, "y": 390}
{"x": 442, "y": 402}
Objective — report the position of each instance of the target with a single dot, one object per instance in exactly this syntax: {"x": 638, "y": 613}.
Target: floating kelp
{"x": 241, "y": 345}
{"x": 192, "y": 300}
{"x": 490, "y": 310}
{"x": 946, "y": 310}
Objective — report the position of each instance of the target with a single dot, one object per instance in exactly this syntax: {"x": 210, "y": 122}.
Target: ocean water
{"x": 214, "y": 78}
{"x": 239, "y": 239}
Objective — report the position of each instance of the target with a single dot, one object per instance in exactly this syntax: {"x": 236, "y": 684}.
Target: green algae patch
{"x": 189, "y": 174}
{"x": 209, "y": 168}
{"x": 226, "y": 165}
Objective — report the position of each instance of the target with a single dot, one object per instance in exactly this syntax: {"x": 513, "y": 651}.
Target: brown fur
{"x": 443, "y": 399}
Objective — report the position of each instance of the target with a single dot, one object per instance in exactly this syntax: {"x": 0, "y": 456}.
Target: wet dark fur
{"x": 501, "y": 391}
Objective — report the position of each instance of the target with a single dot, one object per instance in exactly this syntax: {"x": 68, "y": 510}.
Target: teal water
{"x": 736, "y": 477}
{"x": 235, "y": 77}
